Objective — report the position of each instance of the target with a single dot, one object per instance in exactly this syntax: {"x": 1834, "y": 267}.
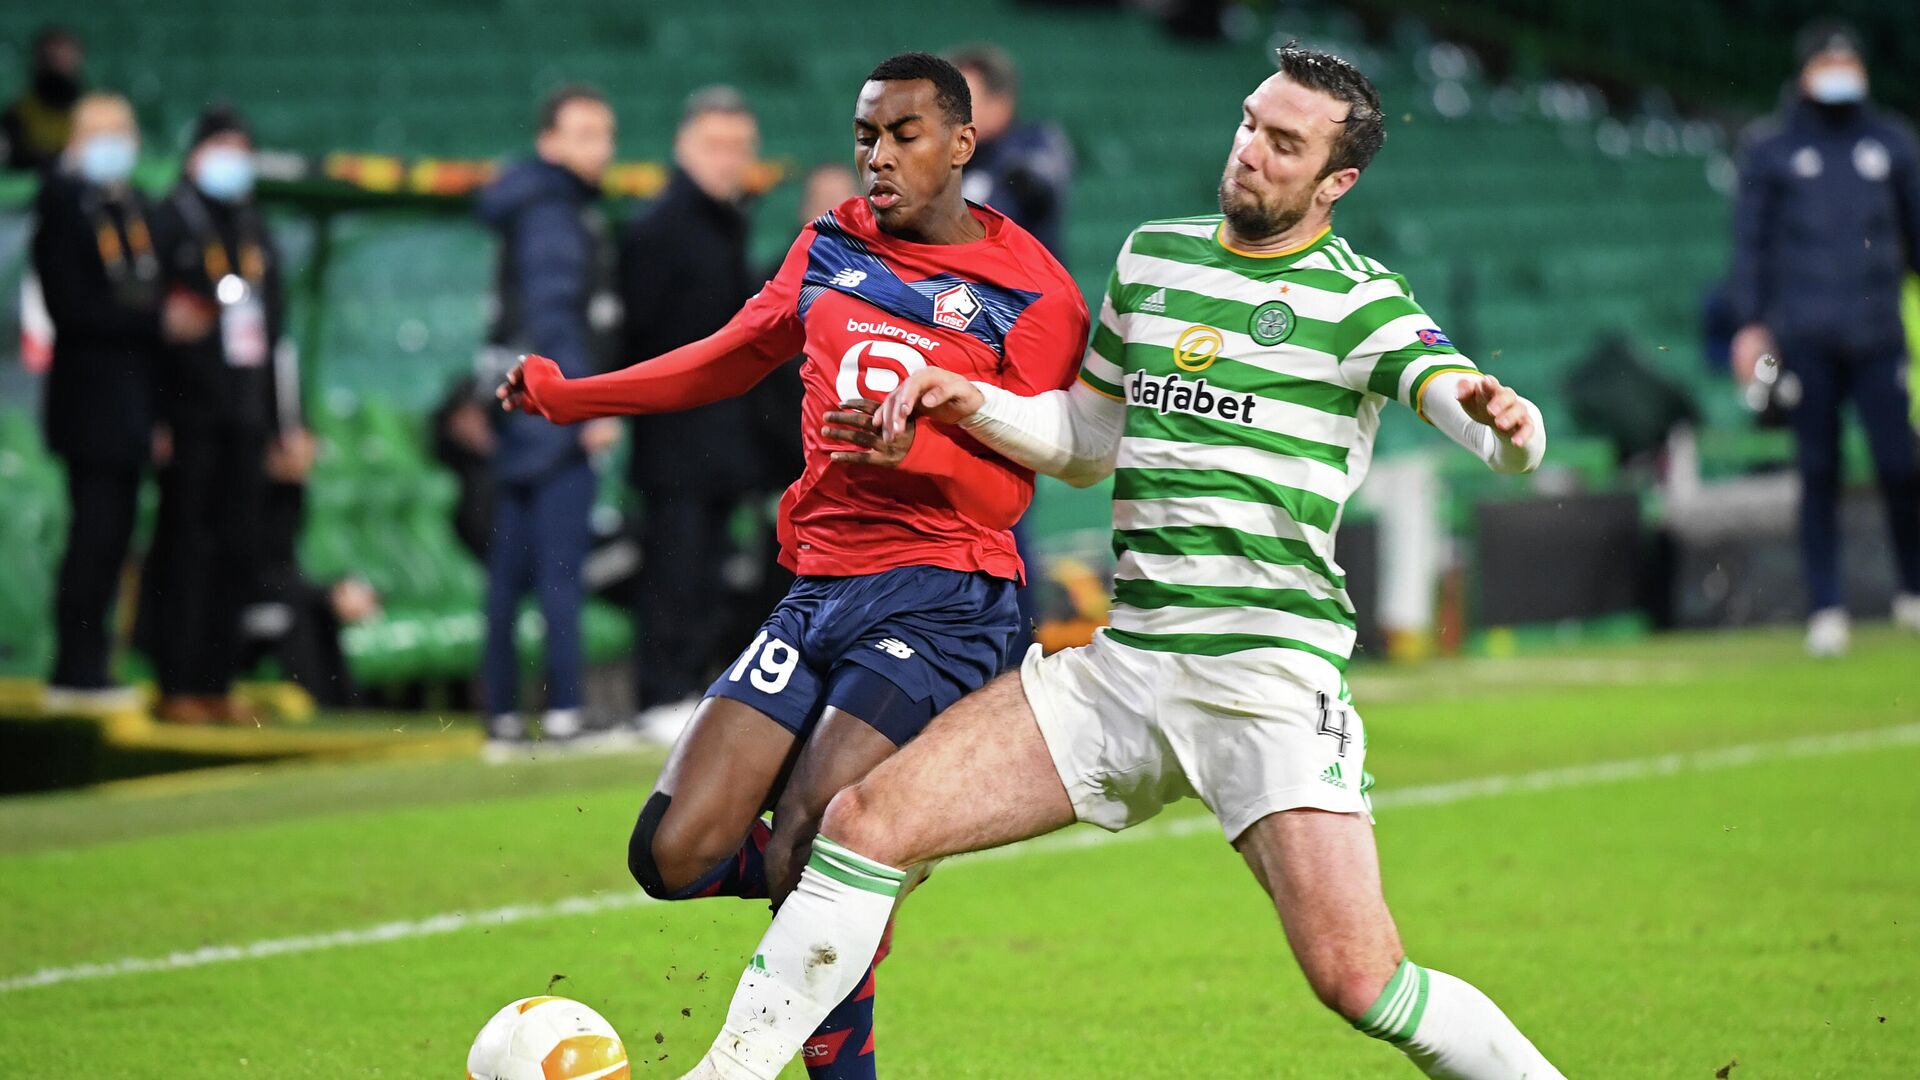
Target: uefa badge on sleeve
{"x": 1272, "y": 323}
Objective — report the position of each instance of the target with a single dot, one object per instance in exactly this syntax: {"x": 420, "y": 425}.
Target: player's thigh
{"x": 745, "y": 731}
{"x": 1323, "y": 873}
{"x": 840, "y": 750}
{"x": 721, "y": 774}
{"x": 980, "y": 776}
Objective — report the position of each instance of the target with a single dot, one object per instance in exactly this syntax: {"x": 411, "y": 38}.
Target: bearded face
{"x": 1277, "y": 172}
{"x": 1254, "y": 214}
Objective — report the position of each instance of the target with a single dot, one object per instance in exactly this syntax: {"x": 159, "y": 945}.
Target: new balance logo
{"x": 1333, "y": 776}
{"x": 895, "y": 648}
{"x": 848, "y": 279}
{"x": 1155, "y": 303}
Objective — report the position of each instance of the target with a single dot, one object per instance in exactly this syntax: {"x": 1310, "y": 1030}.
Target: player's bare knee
{"x": 669, "y": 851}
{"x": 1348, "y": 988}
{"x": 852, "y": 824}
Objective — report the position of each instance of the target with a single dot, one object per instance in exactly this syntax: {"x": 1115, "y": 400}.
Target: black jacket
{"x": 99, "y": 271}
{"x": 1025, "y": 174}
{"x": 200, "y": 240}
{"x": 555, "y": 265}
{"x": 1826, "y": 226}
{"x": 683, "y": 274}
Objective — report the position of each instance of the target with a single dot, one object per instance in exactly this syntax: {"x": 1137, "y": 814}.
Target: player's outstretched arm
{"x": 762, "y": 336}
{"x": 1073, "y": 434}
{"x": 728, "y": 362}
{"x": 1497, "y": 425}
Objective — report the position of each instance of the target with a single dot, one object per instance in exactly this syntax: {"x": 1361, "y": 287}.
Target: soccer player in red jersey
{"x": 904, "y": 601}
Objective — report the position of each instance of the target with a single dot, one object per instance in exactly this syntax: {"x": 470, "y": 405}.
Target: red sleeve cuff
{"x": 544, "y": 388}
{"x": 932, "y": 453}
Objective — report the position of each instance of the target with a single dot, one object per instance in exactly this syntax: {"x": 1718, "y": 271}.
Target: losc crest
{"x": 956, "y": 307}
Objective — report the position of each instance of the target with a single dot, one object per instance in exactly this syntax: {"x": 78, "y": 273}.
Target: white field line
{"x": 1729, "y": 757}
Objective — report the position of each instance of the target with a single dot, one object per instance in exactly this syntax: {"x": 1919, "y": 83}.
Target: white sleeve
{"x": 1440, "y": 403}
{"x": 1073, "y": 434}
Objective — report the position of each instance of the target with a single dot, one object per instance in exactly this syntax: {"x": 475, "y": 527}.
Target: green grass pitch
{"x": 1746, "y": 888}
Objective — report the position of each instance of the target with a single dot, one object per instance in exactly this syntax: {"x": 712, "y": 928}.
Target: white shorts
{"x": 1132, "y": 730}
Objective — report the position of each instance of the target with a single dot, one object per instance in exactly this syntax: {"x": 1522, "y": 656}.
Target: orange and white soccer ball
{"x": 547, "y": 1038}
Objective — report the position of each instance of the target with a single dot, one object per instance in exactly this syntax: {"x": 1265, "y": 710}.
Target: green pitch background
{"x": 1764, "y": 910}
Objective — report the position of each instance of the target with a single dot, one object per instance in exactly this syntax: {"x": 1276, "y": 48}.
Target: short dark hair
{"x": 1364, "y": 129}
{"x": 996, "y": 69}
{"x": 718, "y": 98}
{"x": 563, "y": 96}
{"x": 45, "y": 38}
{"x": 1826, "y": 35}
{"x": 949, "y": 86}
{"x": 219, "y": 118}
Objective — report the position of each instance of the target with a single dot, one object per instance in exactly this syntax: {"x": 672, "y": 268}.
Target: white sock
{"x": 1451, "y": 1030}
{"x": 812, "y": 957}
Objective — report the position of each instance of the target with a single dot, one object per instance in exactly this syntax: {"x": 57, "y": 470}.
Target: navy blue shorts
{"x": 893, "y": 648}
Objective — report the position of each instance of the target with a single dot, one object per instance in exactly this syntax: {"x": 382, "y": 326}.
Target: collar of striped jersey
{"x": 1269, "y": 261}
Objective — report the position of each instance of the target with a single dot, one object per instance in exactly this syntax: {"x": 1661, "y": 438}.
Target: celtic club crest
{"x": 1272, "y": 323}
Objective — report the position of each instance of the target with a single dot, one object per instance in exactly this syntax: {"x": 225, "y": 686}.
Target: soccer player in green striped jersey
{"x": 1233, "y": 389}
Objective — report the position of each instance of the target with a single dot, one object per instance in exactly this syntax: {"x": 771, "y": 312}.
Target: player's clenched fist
{"x": 936, "y": 393}
{"x": 1496, "y": 406}
{"x": 521, "y": 390}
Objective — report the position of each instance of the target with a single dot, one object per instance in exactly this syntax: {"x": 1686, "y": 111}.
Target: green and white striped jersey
{"x": 1253, "y": 387}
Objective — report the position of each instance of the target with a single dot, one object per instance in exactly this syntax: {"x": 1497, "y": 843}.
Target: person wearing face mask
{"x": 35, "y": 130}
{"x": 94, "y": 254}
{"x": 683, "y": 274}
{"x": 217, "y": 394}
{"x": 1826, "y": 225}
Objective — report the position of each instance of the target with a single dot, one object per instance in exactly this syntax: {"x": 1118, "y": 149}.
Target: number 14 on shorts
{"x": 776, "y": 663}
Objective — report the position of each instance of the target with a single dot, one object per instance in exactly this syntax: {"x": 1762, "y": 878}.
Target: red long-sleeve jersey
{"x": 867, "y": 309}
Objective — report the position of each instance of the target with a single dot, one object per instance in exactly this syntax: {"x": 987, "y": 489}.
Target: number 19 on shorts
{"x": 775, "y": 667}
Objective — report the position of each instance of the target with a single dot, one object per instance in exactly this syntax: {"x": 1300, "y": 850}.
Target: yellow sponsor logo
{"x": 1196, "y": 348}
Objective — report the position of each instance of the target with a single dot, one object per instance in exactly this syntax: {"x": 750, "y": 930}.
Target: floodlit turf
{"x": 1660, "y": 925}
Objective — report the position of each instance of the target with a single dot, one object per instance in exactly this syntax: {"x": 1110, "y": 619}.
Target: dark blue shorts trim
{"x": 860, "y": 691}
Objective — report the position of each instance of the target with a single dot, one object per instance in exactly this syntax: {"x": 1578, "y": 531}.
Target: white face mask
{"x": 107, "y": 158}
{"x": 1837, "y": 86}
{"x": 225, "y": 173}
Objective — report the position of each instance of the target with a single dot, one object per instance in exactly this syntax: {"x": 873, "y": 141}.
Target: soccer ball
{"x": 547, "y": 1038}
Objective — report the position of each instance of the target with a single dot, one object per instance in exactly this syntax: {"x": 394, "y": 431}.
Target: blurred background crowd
{"x": 260, "y": 298}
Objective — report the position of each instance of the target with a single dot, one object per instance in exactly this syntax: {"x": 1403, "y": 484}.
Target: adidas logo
{"x": 895, "y": 648}
{"x": 1155, "y": 303}
{"x": 848, "y": 279}
{"x": 1332, "y": 776}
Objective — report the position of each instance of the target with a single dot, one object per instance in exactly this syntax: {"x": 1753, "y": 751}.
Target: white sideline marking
{"x": 1729, "y": 757}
